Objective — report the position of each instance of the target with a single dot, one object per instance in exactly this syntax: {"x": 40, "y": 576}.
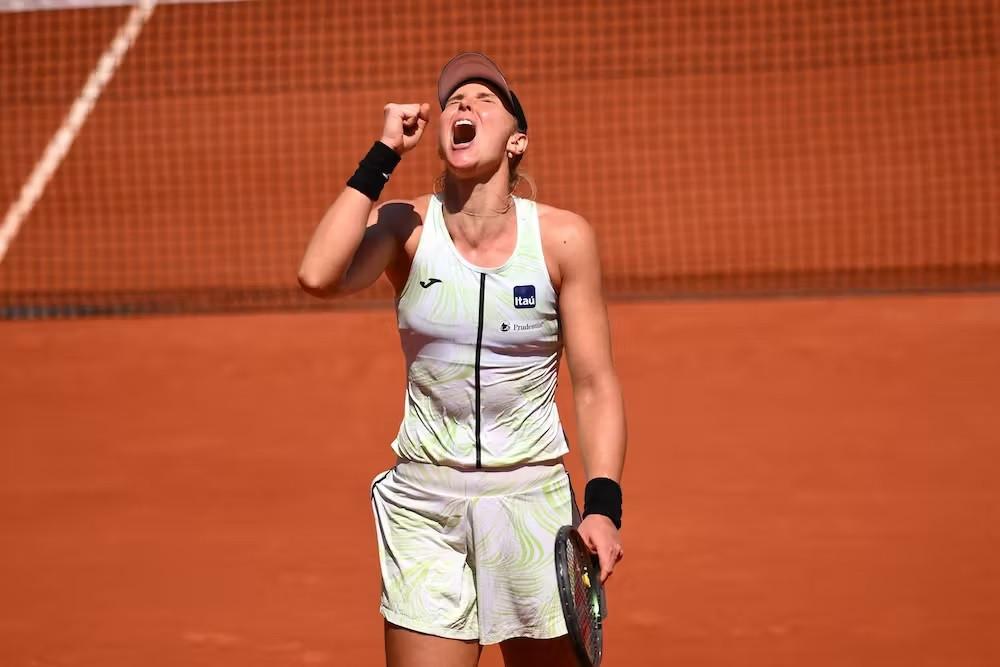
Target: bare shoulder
{"x": 568, "y": 241}
{"x": 401, "y": 218}
{"x": 418, "y": 204}
{"x": 404, "y": 220}
{"x": 563, "y": 225}
{"x": 396, "y": 212}
{"x": 421, "y": 203}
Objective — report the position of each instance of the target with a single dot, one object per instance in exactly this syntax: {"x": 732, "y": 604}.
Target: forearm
{"x": 600, "y": 417}
{"x": 335, "y": 242}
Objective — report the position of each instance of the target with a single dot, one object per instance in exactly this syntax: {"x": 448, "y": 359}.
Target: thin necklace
{"x": 490, "y": 214}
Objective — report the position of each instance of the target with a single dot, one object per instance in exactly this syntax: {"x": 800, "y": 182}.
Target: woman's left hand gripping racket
{"x": 578, "y": 574}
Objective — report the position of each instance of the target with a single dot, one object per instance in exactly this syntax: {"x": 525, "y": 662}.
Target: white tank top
{"x": 482, "y": 349}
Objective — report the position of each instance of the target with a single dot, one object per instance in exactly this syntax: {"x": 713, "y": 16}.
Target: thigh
{"x": 524, "y": 652}
{"x": 514, "y": 538}
{"x": 427, "y": 583}
{"x": 406, "y": 648}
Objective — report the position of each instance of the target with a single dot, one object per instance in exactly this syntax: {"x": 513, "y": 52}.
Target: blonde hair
{"x": 517, "y": 179}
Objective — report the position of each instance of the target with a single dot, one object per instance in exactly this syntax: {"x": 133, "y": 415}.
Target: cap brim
{"x": 468, "y": 67}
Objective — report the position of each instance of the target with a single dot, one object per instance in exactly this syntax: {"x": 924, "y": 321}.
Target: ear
{"x": 517, "y": 144}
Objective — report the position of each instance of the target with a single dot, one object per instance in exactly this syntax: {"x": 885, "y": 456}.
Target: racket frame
{"x": 565, "y": 536}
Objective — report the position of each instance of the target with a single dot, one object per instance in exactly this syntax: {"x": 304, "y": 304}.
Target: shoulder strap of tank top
{"x": 433, "y": 218}
{"x": 529, "y": 229}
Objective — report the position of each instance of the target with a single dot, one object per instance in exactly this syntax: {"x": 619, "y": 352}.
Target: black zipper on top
{"x": 479, "y": 349}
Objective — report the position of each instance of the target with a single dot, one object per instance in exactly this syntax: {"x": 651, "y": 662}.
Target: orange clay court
{"x": 809, "y": 482}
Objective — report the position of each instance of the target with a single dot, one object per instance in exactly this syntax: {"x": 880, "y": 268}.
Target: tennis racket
{"x": 578, "y": 574}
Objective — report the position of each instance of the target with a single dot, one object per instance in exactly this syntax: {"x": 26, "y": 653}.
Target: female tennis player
{"x": 490, "y": 288}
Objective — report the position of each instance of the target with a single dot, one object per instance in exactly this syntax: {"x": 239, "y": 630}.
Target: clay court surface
{"x": 809, "y": 482}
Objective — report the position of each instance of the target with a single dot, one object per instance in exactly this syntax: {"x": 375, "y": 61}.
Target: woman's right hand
{"x": 404, "y": 125}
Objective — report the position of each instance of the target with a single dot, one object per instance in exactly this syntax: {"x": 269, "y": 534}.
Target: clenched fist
{"x": 403, "y": 126}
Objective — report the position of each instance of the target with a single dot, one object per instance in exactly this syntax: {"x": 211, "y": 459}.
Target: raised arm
{"x": 597, "y": 395}
{"x": 353, "y": 243}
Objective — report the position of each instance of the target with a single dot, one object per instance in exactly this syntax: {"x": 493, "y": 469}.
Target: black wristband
{"x": 603, "y": 496}
{"x": 373, "y": 171}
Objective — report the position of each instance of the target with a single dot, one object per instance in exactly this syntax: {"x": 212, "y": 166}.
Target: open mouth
{"x": 463, "y": 132}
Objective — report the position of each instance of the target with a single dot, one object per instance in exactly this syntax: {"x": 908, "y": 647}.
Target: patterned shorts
{"x": 469, "y": 554}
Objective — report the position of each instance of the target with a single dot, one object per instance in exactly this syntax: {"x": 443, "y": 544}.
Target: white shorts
{"x": 469, "y": 554}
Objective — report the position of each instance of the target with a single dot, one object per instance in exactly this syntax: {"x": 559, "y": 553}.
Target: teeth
{"x": 463, "y": 121}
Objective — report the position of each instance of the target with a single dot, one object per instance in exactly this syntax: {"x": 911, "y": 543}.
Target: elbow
{"x": 597, "y": 387}
{"x": 315, "y": 285}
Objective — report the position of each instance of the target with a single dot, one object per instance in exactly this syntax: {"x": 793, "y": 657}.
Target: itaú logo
{"x": 524, "y": 296}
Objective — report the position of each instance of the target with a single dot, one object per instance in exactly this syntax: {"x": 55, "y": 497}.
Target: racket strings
{"x": 583, "y": 597}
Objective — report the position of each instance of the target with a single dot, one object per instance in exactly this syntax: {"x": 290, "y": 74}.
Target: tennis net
{"x": 719, "y": 147}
